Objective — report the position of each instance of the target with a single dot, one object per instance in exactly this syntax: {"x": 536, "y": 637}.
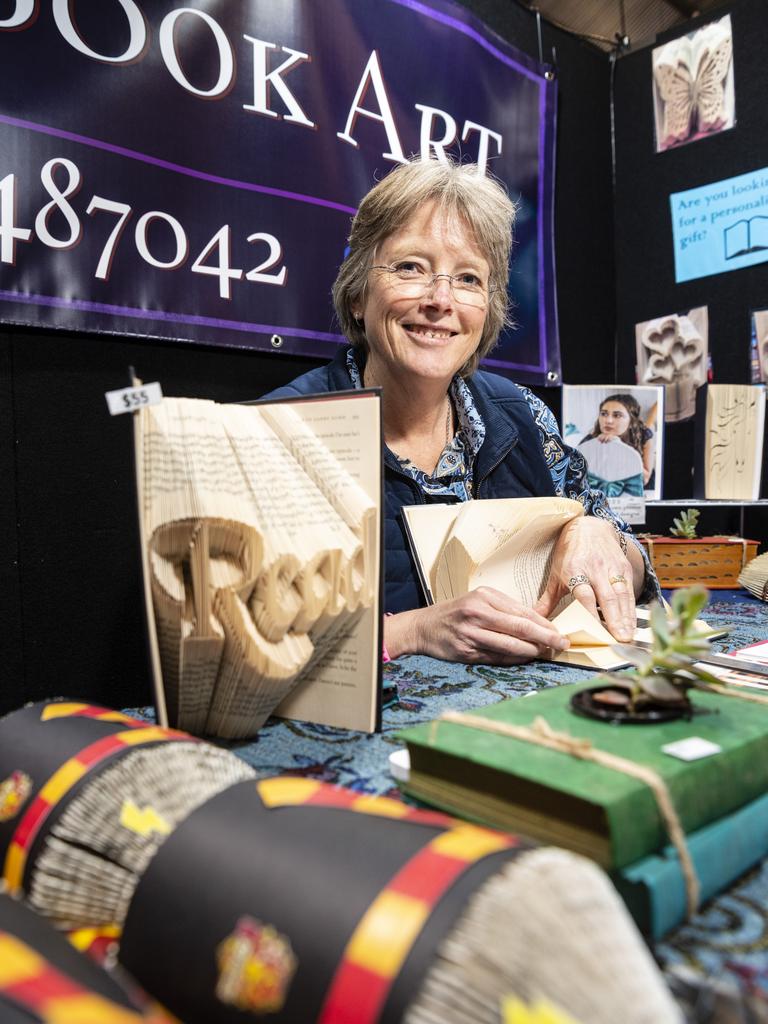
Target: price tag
{"x": 692, "y": 748}
{"x": 131, "y": 399}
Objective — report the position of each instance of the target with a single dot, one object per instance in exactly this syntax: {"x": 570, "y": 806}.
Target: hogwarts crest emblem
{"x": 256, "y": 964}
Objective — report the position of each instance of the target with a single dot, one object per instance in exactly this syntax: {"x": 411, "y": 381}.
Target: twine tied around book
{"x": 542, "y": 734}
{"x": 723, "y": 690}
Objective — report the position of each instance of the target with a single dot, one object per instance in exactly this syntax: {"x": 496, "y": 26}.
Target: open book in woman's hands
{"x": 507, "y": 544}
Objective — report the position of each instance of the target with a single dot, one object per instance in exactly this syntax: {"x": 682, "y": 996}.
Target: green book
{"x": 597, "y": 811}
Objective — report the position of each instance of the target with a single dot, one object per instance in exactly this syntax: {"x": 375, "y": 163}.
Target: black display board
{"x": 69, "y": 569}
{"x": 645, "y": 273}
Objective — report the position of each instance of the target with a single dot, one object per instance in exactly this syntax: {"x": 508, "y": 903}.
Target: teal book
{"x": 597, "y": 811}
{"x": 653, "y": 888}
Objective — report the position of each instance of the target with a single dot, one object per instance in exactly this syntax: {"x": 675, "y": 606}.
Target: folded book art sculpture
{"x": 230, "y": 898}
{"x": 261, "y": 545}
{"x": 672, "y": 350}
{"x": 693, "y": 85}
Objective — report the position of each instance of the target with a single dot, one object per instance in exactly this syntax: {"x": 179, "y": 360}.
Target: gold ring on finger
{"x": 617, "y": 579}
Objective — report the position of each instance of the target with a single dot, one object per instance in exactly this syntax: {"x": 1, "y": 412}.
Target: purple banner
{"x": 168, "y": 172}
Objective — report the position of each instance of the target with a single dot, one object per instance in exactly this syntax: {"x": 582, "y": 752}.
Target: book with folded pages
{"x": 554, "y": 796}
{"x": 730, "y": 431}
{"x": 754, "y": 577}
{"x": 261, "y": 542}
{"x": 693, "y": 84}
{"x": 507, "y": 544}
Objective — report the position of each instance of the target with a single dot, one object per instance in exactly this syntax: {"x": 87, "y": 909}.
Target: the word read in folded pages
{"x": 261, "y": 538}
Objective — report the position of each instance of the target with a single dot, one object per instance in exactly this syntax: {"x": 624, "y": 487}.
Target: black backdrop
{"x": 70, "y": 597}
{"x": 645, "y": 274}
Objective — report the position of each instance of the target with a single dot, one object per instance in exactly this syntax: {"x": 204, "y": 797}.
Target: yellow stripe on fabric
{"x": 17, "y": 961}
{"x": 386, "y": 932}
{"x": 152, "y": 732}
{"x": 468, "y": 842}
{"x": 275, "y": 792}
{"x": 13, "y": 870}
{"x": 384, "y": 806}
{"x": 62, "y": 781}
{"x": 114, "y": 716}
{"x": 66, "y": 709}
{"x": 87, "y": 1009}
{"x": 61, "y": 710}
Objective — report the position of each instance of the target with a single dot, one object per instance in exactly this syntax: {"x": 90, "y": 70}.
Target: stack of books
{"x": 720, "y": 797}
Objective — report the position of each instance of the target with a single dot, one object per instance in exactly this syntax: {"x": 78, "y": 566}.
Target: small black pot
{"x": 584, "y": 703}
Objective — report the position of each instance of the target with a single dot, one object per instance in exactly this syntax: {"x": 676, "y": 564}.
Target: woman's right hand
{"x": 481, "y": 627}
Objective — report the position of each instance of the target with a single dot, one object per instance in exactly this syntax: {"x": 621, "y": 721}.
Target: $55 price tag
{"x": 132, "y": 399}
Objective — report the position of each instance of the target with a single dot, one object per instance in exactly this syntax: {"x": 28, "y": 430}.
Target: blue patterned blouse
{"x": 453, "y": 474}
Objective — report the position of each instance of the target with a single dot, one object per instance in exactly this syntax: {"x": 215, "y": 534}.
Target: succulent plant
{"x": 665, "y": 672}
{"x": 685, "y": 524}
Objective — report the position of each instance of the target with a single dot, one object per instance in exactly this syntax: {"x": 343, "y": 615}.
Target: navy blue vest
{"x": 510, "y": 464}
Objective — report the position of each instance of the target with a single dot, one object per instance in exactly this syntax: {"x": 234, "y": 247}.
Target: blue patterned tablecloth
{"x": 727, "y": 939}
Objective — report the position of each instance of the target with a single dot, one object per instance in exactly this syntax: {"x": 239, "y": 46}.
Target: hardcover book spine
{"x": 653, "y": 888}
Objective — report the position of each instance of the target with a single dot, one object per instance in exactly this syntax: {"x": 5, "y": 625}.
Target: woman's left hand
{"x": 589, "y": 547}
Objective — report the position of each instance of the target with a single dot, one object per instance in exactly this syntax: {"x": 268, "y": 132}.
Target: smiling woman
{"x": 422, "y": 297}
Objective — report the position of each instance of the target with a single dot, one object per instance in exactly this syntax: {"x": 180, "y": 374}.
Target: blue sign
{"x": 166, "y": 172}
{"x": 720, "y": 227}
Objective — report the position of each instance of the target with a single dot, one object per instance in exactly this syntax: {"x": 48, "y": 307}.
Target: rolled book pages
{"x": 548, "y": 924}
{"x": 96, "y": 851}
{"x": 89, "y": 796}
{"x": 754, "y": 577}
{"x": 360, "y": 908}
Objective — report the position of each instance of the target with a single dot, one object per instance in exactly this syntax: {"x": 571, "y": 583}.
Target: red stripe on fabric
{"x": 435, "y": 818}
{"x": 48, "y": 984}
{"x": 100, "y": 749}
{"x": 332, "y": 796}
{"x": 39, "y": 809}
{"x": 356, "y": 996}
{"x": 427, "y": 876}
{"x": 27, "y": 827}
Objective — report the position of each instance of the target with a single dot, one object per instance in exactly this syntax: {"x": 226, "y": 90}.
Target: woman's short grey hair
{"x": 479, "y": 201}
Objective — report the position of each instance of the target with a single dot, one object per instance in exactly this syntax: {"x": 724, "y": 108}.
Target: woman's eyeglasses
{"x": 413, "y": 281}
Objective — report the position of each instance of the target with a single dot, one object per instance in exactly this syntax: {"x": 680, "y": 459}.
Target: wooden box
{"x": 714, "y": 562}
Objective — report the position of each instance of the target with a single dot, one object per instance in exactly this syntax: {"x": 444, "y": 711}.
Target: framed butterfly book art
{"x": 693, "y": 91}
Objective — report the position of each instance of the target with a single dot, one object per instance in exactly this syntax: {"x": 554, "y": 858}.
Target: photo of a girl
{"x": 620, "y": 419}
{"x": 619, "y": 431}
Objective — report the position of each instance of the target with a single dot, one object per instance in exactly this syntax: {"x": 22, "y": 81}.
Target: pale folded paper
{"x": 262, "y": 554}
{"x": 507, "y": 544}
